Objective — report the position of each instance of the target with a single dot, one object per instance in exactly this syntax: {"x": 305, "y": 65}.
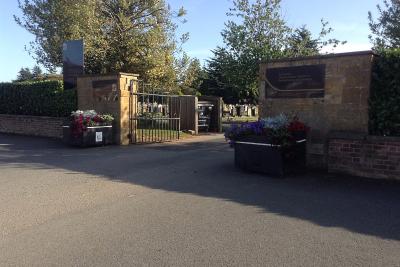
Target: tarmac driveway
{"x": 183, "y": 204}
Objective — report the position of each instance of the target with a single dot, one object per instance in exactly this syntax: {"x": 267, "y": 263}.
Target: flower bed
{"x": 274, "y": 146}
{"x": 88, "y": 128}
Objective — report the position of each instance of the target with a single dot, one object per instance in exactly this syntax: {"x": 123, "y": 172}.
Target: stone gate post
{"x": 110, "y": 94}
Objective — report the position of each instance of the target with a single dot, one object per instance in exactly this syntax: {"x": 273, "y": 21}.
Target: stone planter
{"x": 92, "y": 136}
{"x": 255, "y": 153}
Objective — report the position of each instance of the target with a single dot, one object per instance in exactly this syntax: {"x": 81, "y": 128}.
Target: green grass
{"x": 158, "y": 135}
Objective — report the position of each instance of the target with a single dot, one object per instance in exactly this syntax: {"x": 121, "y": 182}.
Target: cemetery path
{"x": 184, "y": 204}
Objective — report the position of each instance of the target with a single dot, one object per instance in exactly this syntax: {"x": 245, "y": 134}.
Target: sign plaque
{"x": 72, "y": 62}
{"x": 105, "y": 89}
{"x": 99, "y": 137}
{"x": 296, "y": 82}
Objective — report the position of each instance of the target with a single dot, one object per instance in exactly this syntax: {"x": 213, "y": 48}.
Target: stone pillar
{"x": 109, "y": 94}
{"x": 341, "y": 104}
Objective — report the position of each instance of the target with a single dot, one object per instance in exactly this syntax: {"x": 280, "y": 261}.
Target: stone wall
{"x": 365, "y": 156}
{"x": 31, "y": 125}
{"x": 344, "y": 106}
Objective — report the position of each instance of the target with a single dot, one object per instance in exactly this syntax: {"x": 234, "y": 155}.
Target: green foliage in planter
{"x": 384, "y": 109}
{"x": 40, "y": 98}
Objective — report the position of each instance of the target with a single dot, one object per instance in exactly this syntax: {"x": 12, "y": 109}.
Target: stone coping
{"x": 31, "y": 116}
{"x": 332, "y": 55}
{"x": 109, "y": 74}
{"x": 363, "y": 136}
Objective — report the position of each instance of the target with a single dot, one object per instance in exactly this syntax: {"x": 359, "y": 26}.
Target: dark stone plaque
{"x": 296, "y": 82}
{"x": 72, "y": 62}
{"x": 105, "y": 89}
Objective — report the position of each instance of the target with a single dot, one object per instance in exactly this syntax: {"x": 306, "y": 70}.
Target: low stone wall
{"x": 31, "y": 125}
{"x": 365, "y": 156}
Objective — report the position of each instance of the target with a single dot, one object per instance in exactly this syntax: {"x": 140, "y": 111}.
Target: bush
{"x": 40, "y": 98}
{"x": 384, "y": 112}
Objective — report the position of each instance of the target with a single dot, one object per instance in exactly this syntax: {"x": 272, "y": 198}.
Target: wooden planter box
{"x": 93, "y": 136}
{"x": 255, "y": 153}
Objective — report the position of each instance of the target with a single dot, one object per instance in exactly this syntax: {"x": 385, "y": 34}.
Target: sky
{"x": 205, "y": 21}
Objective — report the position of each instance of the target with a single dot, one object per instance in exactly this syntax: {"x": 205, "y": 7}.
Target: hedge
{"x": 39, "y": 98}
{"x": 384, "y": 106}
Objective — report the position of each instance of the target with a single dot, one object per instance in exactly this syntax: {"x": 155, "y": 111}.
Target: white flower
{"x": 85, "y": 113}
{"x": 276, "y": 122}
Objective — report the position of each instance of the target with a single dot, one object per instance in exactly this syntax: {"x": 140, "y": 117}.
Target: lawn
{"x": 158, "y": 135}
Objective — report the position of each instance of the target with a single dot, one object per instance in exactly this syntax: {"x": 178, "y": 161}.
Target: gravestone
{"x": 329, "y": 92}
{"x": 73, "y": 62}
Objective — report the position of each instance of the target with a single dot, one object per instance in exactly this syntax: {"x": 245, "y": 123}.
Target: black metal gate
{"x": 153, "y": 117}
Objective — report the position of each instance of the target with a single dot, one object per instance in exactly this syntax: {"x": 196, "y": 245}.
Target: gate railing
{"x": 153, "y": 117}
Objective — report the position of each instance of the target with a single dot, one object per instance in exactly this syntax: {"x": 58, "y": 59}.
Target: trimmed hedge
{"x": 384, "y": 112}
{"x": 39, "y": 98}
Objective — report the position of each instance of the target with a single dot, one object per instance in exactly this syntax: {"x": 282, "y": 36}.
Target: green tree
{"x": 386, "y": 29}
{"x": 37, "y": 72}
{"x": 54, "y": 21}
{"x": 120, "y": 35}
{"x": 219, "y": 75}
{"x": 24, "y": 74}
{"x": 255, "y": 32}
{"x": 190, "y": 73}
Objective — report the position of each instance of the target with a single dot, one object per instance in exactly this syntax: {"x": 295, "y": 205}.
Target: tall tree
{"x": 24, "y": 74}
{"x": 386, "y": 29}
{"x": 189, "y": 74}
{"x": 254, "y": 32}
{"x": 257, "y": 31}
{"x": 120, "y": 35}
{"x": 37, "y": 72}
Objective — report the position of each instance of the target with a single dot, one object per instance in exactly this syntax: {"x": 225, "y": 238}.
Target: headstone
{"x": 73, "y": 63}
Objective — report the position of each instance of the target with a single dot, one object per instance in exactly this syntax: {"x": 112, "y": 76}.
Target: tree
{"x": 189, "y": 75}
{"x": 24, "y": 74}
{"x": 386, "y": 29}
{"x": 219, "y": 75}
{"x": 120, "y": 35}
{"x": 257, "y": 32}
{"x": 37, "y": 72}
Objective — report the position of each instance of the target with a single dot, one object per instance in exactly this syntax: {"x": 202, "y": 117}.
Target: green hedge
{"x": 384, "y": 110}
{"x": 40, "y": 98}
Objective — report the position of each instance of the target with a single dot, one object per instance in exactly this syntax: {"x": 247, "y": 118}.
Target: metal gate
{"x": 153, "y": 117}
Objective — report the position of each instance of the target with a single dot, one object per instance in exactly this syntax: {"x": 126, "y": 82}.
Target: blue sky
{"x": 205, "y": 21}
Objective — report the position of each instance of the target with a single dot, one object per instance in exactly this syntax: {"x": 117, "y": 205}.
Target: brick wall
{"x": 31, "y": 125}
{"x": 365, "y": 156}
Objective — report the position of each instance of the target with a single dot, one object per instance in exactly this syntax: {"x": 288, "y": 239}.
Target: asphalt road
{"x": 183, "y": 205}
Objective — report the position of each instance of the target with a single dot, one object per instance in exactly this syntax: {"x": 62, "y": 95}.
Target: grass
{"x": 158, "y": 135}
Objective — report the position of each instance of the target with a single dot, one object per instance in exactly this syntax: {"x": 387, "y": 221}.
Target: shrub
{"x": 39, "y": 98}
{"x": 384, "y": 109}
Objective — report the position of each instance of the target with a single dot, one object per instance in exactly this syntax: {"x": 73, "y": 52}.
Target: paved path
{"x": 183, "y": 205}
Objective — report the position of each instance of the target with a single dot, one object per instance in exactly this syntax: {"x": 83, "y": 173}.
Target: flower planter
{"x": 255, "y": 153}
{"x": 91, "y": 136}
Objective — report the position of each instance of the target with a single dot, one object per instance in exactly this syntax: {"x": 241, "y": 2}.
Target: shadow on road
{"x": 370, "y": 207}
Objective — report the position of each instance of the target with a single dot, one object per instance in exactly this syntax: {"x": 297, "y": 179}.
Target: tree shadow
{"x": 363, "y": 206}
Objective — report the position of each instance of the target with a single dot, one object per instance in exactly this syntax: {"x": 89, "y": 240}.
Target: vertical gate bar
{"x": 136, "y": 111}
{"x": 130, "y": 115}
{"x": 162, "y": 128}
{"x": 162, "y": 125}
{"x": 179, "y": 118}
{"x": 152, "y": 114}
{"x": 158, "y": 126}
